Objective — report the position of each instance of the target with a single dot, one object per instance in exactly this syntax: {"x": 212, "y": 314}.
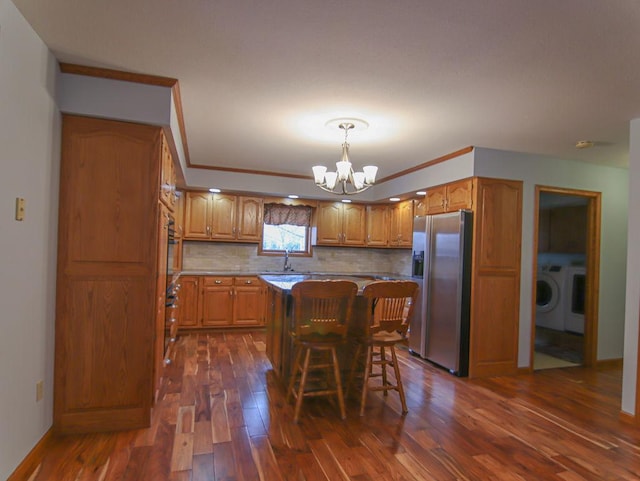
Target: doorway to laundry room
{"x": 566, "y": 265}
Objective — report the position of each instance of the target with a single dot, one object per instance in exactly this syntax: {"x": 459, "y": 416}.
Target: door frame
{"x": 592, "y": 266}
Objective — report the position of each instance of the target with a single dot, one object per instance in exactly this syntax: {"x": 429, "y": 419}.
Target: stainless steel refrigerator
{"x": 441, "y": 265}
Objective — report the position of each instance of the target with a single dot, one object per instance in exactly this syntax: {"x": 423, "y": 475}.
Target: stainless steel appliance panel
{"x": 417, "y": 330}
{"x": 447, "y": 290}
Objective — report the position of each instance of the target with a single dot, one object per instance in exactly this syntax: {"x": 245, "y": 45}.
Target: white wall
{"x": 632, "y": 311}
{"x": 29, "y": 140}
{"x": 456, "y": 168}
{"x": 613, "y": 183}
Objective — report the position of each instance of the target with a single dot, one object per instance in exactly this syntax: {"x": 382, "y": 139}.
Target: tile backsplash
{"x": 212, "y": 256}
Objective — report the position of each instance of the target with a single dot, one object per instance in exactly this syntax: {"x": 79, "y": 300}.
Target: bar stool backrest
{"x": 322, "y": 308}
{"x": 390, "y": 305}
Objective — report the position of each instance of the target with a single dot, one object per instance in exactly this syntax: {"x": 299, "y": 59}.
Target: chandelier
{"x": 344, "y": 181}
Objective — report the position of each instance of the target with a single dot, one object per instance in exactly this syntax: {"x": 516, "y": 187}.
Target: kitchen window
{"x": 286, "y": 228}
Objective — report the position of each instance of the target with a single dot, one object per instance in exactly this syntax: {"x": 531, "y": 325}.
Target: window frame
{"x": 280, "y": 252}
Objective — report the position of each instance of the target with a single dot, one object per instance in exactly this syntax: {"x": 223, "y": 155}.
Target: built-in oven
{"x": 171, "y": 294}
{"x": 575, "y": 296}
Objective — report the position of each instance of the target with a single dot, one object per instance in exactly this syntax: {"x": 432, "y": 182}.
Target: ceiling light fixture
{"x": 344, "y": 181}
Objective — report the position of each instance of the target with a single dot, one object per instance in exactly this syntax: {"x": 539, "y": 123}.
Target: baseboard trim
{"x": 609, "y": 363}
{"x": 628, "y": 418}
{"x": 33, "y": 459}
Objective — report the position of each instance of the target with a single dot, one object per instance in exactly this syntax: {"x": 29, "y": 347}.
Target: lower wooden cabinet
{"x": 220, "y": 301}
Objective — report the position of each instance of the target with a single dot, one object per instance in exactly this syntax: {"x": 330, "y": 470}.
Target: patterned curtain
{"x": 278, "y": 214}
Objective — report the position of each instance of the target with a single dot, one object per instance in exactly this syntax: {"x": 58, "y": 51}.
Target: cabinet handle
{"x": 247, "y": 282}
{"x": 208, "y": 230}
{"x": 218, "y": 282}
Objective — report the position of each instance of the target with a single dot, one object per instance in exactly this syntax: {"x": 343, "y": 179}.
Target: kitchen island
{"x": 279, "y": 320}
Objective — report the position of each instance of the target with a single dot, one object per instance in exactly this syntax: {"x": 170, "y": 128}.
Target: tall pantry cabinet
{"x": 108, "y": 269}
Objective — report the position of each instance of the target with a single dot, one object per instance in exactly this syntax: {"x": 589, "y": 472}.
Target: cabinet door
{"x": 249, "y": 219}
{"x": 377, "y": 225}
{"x": 188, "y": 301}
{"x": 401, "y": 226}
{"x": 495, "y": 284}
{"x": 248, "y": 302}
{"x": 106, "y": 285}
{"x": 223, "y": 218}
{"x": 435, "y": 200}
{"x": 197, "y": 216}
{"x": 459, "y": 195}
{"x": 354, "y": 225}
{"x": 216, "y": 303}
{"x": 329, "y": 223}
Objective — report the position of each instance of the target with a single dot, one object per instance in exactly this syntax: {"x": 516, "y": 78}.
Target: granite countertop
{"x": 285, "y": 281}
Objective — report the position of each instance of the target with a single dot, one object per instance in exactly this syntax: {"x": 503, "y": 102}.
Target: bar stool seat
{"x": 321, "y": 311}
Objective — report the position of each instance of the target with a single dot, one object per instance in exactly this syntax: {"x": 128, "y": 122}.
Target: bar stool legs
{"x": 330, "y": 367}
{"x": 383, "y": 362}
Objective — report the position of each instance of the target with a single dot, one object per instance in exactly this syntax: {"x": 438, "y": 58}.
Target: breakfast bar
{"x": 280, "y": 315}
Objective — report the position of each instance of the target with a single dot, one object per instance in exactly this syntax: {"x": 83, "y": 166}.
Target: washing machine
{"x": 550, "y": 306}
{"x": 573, "y": 297}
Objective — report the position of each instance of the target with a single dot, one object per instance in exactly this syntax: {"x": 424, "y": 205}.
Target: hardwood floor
{"x": 222, "y": 415}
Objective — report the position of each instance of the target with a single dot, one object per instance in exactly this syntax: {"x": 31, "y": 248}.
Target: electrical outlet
{"x": 39, "y": 390}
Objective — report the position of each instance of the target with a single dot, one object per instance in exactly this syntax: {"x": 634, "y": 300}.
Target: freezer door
{"x": 417, "y": 327}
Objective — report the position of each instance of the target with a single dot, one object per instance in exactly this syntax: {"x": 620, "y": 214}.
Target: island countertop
{"x": 284, "y": 282}
{"x": 280, "y": 320}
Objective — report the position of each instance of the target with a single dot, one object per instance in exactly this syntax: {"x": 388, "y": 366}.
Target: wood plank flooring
{"x": 222, "y": 415}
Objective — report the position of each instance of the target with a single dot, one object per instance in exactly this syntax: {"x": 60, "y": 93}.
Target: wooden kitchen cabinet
{"x": 216, "y": 302}
{"x": 390, "y": 225}
{"x": 449, "y": 197}
{"x": 341, "y": 224}
{"x": 168, "y": 177}
{"x": 563, "y": 229}
{"x": 188, "y": 301}
{"x": 401, "y": 224}
{"x": 221, "y": 301}
{"x": 495, "y": 277}
{"x": 378, "y": 225}
{"x": 222, "y": 217}
{"x": 248, "y": 302}
{"x": 111, "y": 243}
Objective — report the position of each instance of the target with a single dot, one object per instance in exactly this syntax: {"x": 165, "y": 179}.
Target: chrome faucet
{"x": 287, "y": 267}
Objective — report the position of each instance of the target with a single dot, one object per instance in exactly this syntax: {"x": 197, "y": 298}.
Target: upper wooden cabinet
{"x": 449, "y": 197}
{"x": 341, "y": 224}
{"x": 390, "y": 225}
{"x": 222, "y": 217}
{"x": 562, "y": 229}
{"x": 378, "y": 225}
{"x": 401, "y": 224}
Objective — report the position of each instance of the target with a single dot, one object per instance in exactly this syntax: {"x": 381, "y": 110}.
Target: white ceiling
{"x": 260, "y": 78}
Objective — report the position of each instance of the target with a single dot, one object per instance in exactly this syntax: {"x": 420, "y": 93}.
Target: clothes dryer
{"x": 550, "y": 308}
{"x": 574, "y": 298}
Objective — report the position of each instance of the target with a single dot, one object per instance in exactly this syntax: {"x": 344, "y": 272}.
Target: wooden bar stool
{"x": 321, "y": 310}
{"x": 389, "y": 308}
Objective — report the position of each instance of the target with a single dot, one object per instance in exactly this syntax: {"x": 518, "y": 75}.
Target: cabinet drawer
{"x": 217, "y": 281}
{"x": 247, "y": 281}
